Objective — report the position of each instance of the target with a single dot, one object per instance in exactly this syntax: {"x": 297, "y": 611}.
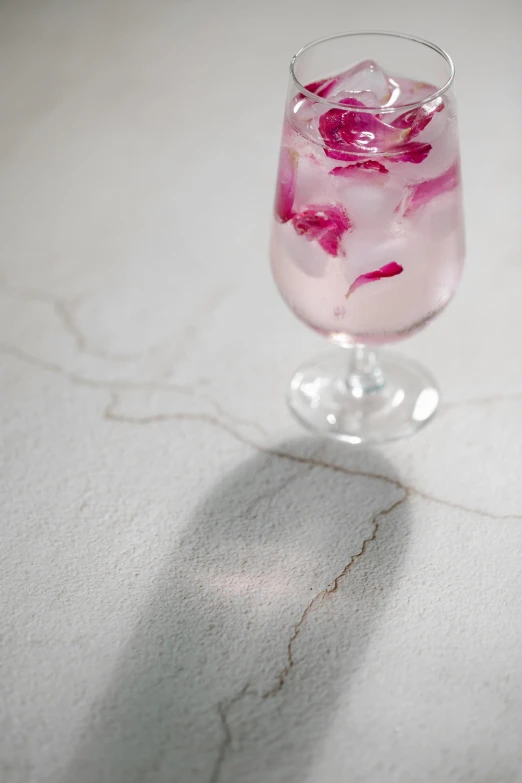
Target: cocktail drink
{"x": 368, "y": 244}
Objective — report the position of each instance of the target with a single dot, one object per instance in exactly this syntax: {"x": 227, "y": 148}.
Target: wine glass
{"x": 367, "y": 243}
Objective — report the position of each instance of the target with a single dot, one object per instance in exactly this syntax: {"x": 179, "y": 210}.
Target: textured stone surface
{"x": 194, "y": 591}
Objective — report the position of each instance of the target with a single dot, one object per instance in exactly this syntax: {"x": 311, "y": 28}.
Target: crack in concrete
{"x": 211, "y": 304}
{"x": 461, "y": 507}
{"x": 111, "y": 385}
{"x": 223, "y": 710}
{"x": 111, "y": 414}
{"x": 271, "y": 493}
{"x": 63, "y": 307}
{"x": 92, "y": 383}
{"x": 63, "y": 311}
{"x": 232, "y": 417}
{"x": 324, "y": 593}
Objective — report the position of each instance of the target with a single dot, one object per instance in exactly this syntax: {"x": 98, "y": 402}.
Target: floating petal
{"x": 324, "y": 223}
{"x": 388, "y": 270}
{"x": 286, "y": 180}
{"x": 430, "y": 188}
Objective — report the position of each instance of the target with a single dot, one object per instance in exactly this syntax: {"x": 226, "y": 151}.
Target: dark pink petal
{"x": 405, "y": 120}
{"x": 425, "y": 191}
{"x": 388, "y": 270}
{"x": 330, "y": 126}
{"x": 286, "y": 179}
{"x": 368, "y": 171}
{"x": 351, "y": 101}
{"x": 364, "y": 131}
{"x": 372, "y": 165}
{"x": 330, "y": 123}
{"x": 363, "y": 97}
{"x": 414, "y": 152}
{"x": 324, "y": 223}
{"x": 417, "y": 119}
{"x": 322, "y": 87}
{"x": 342, "y": 155}
{"x": 346, "y": 131}
{"x": 424, "y": 115}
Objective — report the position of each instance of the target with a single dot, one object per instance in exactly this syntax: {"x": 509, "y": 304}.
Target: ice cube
{"x": 412, "y": 91}
{"x": 441, "y": 216}
{"x": 313, "y": 184}
{"x": 370, "y": 206}
{"x": 368, "y": 97}
{"x": 443, "y": 153}
{"x": 307, "y": 256}
{"x": 367, "y": 82}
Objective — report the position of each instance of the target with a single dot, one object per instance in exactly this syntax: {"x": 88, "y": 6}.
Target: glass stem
{"x": 364, "y": 374}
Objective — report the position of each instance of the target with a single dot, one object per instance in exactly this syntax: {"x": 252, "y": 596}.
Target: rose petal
{"x": 414, "y": 152}
{"x": 330, "y": 126}
{"x": 366, "y": 132}
{"x": 405, "y": 120}
{"x": 367, "y": 170}
{"x": 351, "y": 101}
{"x": 324, "y": 223}
{"x": 322, "y": 87}
{"x": 373, "y": 165}
{"x": 342, "y": 155}
{"x": 425, "y": 191}
{"x": 346, "y": 131}
{"x": 417, "y": 119}
{"x": 325, "y": 87}
{"x": 286, "y": 179}
{"x": 364, "y": 98}
{"x": 330, "y": 122}
{"x": 425, "y": 115}
{"x": 388, "y": 270}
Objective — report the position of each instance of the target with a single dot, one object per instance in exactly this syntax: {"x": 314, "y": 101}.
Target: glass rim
{"x": 373, "y": 109}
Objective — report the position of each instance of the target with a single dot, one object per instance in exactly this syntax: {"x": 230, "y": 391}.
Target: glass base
{"x": 393, "y": 400}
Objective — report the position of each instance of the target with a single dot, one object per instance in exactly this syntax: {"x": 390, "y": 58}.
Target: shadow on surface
{"x": 207, "y": 689}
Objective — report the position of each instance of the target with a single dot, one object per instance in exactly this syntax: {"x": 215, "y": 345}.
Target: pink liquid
{"x": 405, "y": 213}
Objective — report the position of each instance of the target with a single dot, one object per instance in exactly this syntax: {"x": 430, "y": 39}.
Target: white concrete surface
{"x": 193, "y": 590}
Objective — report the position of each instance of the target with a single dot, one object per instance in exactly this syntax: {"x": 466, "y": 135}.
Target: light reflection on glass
{"x": 426, "y": 404}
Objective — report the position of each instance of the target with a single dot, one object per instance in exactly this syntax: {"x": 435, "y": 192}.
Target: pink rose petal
{"x": 405, "y": 120}
{"x": 325, "y": 87}
{"x": 367, "y": 171}
{"x": 286, "y": 179}
{"x": 366, "y": 132}
{"x": 388, "y": 270}
{"x": 322, "y": 87}
{"x": 414, "y": 152}
{"x": 346, "y": 131}
{"x": 331, "y": 121}
{"x": 417, "y": 119}
{"x": 364, "y": 97}
{"x": 340, "y": 155}
{"x": 324, "y": 223}
{"x": 425, "y": 191}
